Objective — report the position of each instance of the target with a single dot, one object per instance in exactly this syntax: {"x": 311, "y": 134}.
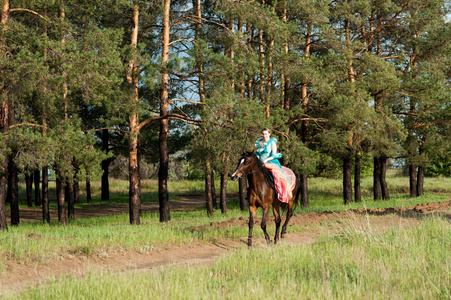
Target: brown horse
{"x": 261, "y": 193}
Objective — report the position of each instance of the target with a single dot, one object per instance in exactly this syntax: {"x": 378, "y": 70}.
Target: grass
{"x": 358, "y": 264}
{"x": 346, "y": 261}
{"x": 324, "y": 193}
{"x": 40, "y": 243}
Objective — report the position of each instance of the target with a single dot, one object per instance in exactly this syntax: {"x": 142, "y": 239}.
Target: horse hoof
{"x": 282, "y": 235}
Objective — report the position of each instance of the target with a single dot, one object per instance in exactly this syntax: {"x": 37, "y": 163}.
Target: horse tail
{"x": 297, "y": 200}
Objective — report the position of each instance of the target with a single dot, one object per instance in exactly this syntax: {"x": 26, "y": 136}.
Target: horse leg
{"x": 252, "y": 210}
{"x": 289, "y": 215}
{"x": 275, "y": 210}
{"x": 264, "y": 218}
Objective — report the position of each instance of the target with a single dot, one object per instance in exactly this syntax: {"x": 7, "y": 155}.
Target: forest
{"x": 348, "y": 88}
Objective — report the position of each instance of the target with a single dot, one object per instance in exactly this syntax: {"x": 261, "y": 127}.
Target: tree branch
{"x": 27, "y": 124}
{"x": 181, "y": 40}
{"x": 187, "y": 101}
{"x": 170, "y": 117}
{"x": 28, "y": 10}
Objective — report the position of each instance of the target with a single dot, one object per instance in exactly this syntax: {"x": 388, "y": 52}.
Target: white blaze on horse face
{"x": 238, "y": 168}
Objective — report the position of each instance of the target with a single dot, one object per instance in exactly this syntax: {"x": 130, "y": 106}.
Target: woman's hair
{"x": 266, "y": 129}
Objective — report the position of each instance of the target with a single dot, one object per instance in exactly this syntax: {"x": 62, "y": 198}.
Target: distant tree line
{"x": 340, "y": 82}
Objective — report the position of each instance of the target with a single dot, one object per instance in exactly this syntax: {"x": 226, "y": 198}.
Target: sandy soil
{"x": 19, "y": 276}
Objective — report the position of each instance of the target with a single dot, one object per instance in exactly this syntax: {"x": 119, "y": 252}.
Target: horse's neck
{"x": 256, "y": 176}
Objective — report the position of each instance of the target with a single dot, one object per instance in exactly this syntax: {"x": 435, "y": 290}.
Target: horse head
{"x": 244, "y": 164}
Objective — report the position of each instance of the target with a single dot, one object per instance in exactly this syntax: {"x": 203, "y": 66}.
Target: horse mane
{"x": 269, "y": 178}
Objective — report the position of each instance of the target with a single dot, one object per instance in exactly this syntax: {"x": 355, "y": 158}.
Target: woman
{"x": 268, "y": 155}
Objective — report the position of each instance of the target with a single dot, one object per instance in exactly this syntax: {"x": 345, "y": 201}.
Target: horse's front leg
{"x": 264, "y": 218}
{"x": 252, "y": 210}
{"x": 278, "y": 220}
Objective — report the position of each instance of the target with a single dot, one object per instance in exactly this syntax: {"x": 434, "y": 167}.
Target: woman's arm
{"x": 273, "y": 150}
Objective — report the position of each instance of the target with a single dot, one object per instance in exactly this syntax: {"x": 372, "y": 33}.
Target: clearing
{"x": 21, "y": 276}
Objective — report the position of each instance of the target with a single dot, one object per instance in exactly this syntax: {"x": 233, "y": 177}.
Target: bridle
{"x": 245, "y": 174}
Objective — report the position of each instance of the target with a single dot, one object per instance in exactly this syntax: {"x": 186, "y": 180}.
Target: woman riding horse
{"x": 268, "y": 155}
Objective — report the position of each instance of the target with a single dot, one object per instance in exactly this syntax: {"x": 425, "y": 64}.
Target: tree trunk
{"x": 13, "y": 191}
{"x": 70, "y": 198}
{"x": 4, "y": 126}
{"x": 45, "y": 196}
{"x": 412, "y": 180}
{"x": 88, "y": 191}
{"x": 163, "y": 171}
{"x": 223, "y": 193}
{"x": 305, "y": 124}
{"x": 3, "y": 175}
{"x": 208, "y": 195}
{"x": 357, "y": 191}
{"x": 244, "y": 204}
{"x": 285, "y": 75}
{"x": 57, "y": 186}
{"x": 76, "y": 191}
{"x": 134, "y": 176}
{"x": 133, "y": 79}
{"x": 29, "y": 187}
{"x": 377, "y": 179}
{"x": 347, "y": 182}
{"x": 303, "y": 178}
{"x": 105, "y": 195}
{"x": 305, "y": 132}
{"x": 420, "y": 180}
{"x": 347, "y": 160}
{"x": 213, "y": 191}
{"x": 384, "y": 186}
{"x": 37, "y": 189}
{"x": 3, "y": 179}
{"x": 420, "y": 174}
{"x": 76, "y": 185}
{"x": 60, "y": 191}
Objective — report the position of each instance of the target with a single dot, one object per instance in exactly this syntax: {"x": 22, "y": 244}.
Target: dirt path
{"x": 18, "y": 277}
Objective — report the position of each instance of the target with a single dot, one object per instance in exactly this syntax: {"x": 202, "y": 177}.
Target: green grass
{"x": 324, "y": 193}
{"x": 41, "y": 243}
{"x": 358, "y": 264}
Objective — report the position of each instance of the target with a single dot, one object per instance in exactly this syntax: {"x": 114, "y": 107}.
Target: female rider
{"x": 268, "y": 155}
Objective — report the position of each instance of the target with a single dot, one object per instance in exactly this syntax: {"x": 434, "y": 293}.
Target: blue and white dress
{"x": 268, "y": 150}
{"x": 265, "y": 150}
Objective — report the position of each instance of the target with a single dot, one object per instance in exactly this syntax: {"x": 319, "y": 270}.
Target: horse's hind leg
{"x": 275, "y": 210}
{"x": 289, "y": 215}
{"x": 263, "y": 225}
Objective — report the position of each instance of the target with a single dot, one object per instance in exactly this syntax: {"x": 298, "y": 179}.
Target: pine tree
{"x": 424, "y": 40}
